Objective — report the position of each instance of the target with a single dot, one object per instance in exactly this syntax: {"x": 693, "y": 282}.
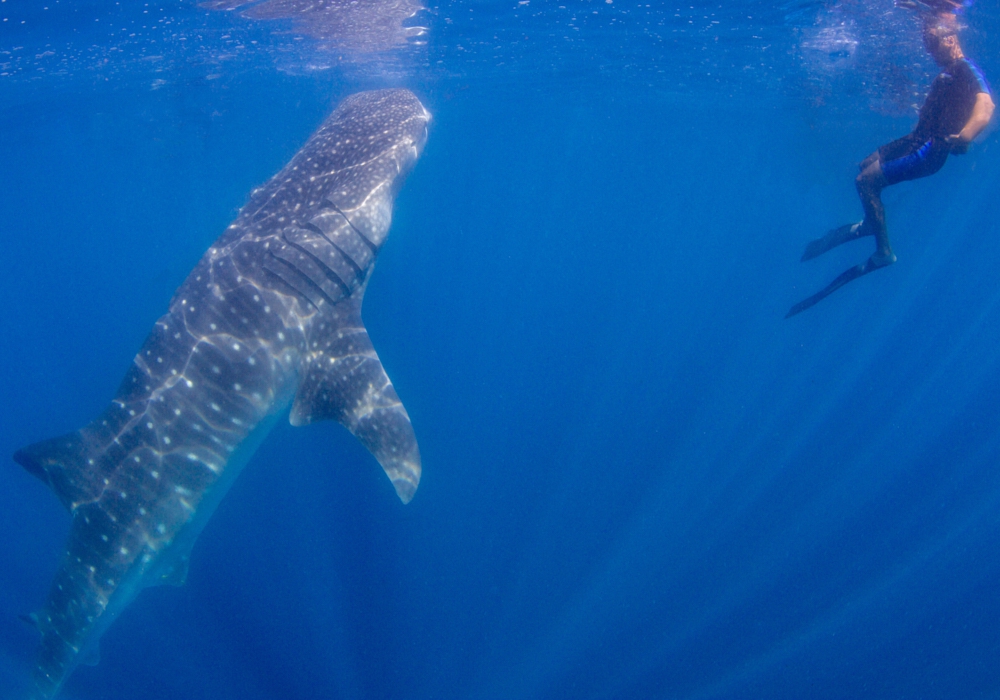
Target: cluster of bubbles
{"x": 176, "y": 41}
{"x": 812, "y": 48}
{"x": 55, "y": 39}
{"x": 675, "y": 46}
{"x": 868, "y": 52}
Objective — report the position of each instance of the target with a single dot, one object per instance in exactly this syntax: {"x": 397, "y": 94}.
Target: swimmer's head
{"x": 941, "y": 37}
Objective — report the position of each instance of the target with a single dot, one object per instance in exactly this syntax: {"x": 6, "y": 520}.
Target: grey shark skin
{"x": 271, "y": 315}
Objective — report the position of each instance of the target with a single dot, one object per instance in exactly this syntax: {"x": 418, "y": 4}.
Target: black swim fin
{"x": 832, "y": 239}
{"x": 848, "y": 275}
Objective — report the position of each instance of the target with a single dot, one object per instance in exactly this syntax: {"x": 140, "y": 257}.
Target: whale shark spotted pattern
{"x": 271, "y": 315}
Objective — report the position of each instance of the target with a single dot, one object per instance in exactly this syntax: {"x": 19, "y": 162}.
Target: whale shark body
{"x": 270, "y": 316}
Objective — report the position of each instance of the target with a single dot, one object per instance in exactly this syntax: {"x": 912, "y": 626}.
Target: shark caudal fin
{"x": 345, "y": 381}
{"x": 67, "y": 465}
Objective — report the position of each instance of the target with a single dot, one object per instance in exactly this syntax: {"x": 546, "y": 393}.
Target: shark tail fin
{"x": 65, "y": 464}
{"x": 345, "y": 381}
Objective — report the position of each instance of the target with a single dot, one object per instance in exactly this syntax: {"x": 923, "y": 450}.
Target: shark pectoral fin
{"x": 64, "y": 463}
{"x": 345, "y": 382}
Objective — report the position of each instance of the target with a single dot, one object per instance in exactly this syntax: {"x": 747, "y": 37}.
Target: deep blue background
{"x": 639, "y": 479}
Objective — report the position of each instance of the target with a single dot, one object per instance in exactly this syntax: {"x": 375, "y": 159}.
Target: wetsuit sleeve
{"x": 978, "y": 80}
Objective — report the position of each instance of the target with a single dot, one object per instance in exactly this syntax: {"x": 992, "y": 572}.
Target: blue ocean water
{"x": 640, "y": 480}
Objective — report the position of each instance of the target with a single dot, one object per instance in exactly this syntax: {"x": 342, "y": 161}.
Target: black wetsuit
{"x": 946, "y": 111}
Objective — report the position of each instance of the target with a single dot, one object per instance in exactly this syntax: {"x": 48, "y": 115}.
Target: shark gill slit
{"x": 309, "y": 226}
{"x": 330, "y": 205}
{"x": 325, "y": 269}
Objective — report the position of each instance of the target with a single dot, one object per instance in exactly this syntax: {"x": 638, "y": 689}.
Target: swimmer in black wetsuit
{"x": 958, "y": 107}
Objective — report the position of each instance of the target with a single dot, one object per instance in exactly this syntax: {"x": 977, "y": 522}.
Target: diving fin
{"x": 876, "y": 261}
{"x": 833, "y": 238}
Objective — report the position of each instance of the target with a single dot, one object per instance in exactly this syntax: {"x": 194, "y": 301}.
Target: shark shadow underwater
{"x": 271, "y": 315}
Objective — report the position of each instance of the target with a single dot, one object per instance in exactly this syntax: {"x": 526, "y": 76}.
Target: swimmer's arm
{"x": 981, "y": 115}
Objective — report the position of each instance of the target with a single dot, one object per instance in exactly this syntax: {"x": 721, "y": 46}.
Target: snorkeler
{"x": 957, "y": 109}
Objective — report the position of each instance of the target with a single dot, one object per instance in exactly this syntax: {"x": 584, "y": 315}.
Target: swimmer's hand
{"x": 957, "y": 144}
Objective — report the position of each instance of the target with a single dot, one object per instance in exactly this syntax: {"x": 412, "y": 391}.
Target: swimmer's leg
{"x": 834, "y": 238}
{"x": 876, "y": 261}
{"x": 868, "y": 161}
{"x": 870, "y": 184}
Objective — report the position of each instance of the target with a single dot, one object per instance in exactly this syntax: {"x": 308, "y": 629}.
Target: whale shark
{"x": 270, "y": 318}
